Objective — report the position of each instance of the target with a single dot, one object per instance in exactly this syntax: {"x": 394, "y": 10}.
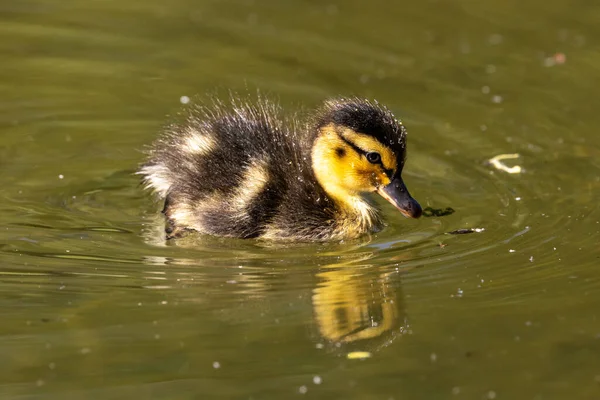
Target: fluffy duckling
{"x": 244, "y": 170}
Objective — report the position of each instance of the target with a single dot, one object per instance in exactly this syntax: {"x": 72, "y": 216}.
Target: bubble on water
{"x": 485, "y": 89}
{"x": 184, "y": 99}
{"x": 455, "y": 390}
{"x": 302, "y": 389}
{"x": 61, "y": 176}
{"x": 511, "y": 250}
{"x": 495, "y": 39}
{"x": 490, "y": 68}
{"x": 433, "y": 357}
{"x": 549, "y": 62}
{"x": 317, "y": 380}
{"x": 85, "y": 350}
{"x": 497, "y": 99}
{"x": 491, "y": 394}
{"x": 216, "y": 365}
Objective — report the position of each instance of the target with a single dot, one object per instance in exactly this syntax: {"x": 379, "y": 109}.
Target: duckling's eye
{"x": 373, "y": 157}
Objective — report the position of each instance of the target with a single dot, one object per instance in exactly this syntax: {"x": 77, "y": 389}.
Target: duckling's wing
{"x": 226, "y": 170}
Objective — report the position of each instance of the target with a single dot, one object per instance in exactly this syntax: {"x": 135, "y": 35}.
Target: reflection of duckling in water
{"x": 351, "y": 306}
{"x": 244, "y": 171}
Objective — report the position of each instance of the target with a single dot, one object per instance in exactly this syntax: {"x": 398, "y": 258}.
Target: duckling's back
{"x": 237, "y": 170}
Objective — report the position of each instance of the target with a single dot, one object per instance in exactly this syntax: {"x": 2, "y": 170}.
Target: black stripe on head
{"x": 386, "y": 171}
{"x": 367, "y": 118}
{"x": 355, "y": 147}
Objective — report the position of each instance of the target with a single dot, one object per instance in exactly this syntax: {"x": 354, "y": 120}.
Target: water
{"x": 95, "y": 307}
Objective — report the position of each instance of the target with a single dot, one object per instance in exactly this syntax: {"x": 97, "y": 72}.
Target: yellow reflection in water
{"x": 352, "y": 304}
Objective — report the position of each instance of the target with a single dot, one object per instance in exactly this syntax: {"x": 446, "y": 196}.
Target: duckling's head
{"x": 361, "y": 147}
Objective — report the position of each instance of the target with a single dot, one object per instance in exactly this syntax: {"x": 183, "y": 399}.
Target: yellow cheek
{"x": 377, "y": 179}
{"x": 362, "y": 180}
{"x": 364, "y": 176}
{"x": 383, "y": 179}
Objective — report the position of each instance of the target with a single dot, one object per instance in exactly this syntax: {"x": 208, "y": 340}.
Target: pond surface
{"x": 95, "y": 307}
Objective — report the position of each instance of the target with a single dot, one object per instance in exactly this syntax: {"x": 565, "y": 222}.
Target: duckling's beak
{"x": 397, "y": 194}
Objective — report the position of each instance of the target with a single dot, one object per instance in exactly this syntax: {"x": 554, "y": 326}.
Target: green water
{"x": 94, "y": 307}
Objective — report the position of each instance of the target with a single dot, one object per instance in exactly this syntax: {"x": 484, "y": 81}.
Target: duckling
{"x": 244, "y": 170}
